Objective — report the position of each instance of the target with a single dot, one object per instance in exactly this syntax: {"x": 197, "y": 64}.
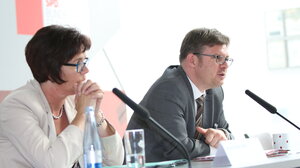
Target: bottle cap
{"x": 89, "y": 109}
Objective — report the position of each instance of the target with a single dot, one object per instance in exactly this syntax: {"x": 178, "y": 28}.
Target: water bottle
{"x": 91, "y": 142}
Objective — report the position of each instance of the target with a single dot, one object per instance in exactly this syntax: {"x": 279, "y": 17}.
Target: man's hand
{"x": 212, "y": 136}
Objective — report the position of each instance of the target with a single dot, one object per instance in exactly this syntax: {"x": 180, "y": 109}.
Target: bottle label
{"x": 93, "y": 159}
{"x": 94, "y": 165}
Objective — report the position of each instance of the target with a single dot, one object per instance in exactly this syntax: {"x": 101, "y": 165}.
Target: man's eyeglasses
{"x": 79, "y": 66}
{"x": 219, "y": 59}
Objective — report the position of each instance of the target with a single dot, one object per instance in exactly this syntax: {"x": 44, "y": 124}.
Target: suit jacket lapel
{"x": 188, "y": 84}
{"x": 51, "y": 127}
{"x": 70, "y": 108}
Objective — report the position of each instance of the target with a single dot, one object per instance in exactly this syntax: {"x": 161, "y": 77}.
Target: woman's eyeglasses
{"x": 79, "y": 66}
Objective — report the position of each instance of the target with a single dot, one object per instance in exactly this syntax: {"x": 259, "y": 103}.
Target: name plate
{"x": 242, "y": 152}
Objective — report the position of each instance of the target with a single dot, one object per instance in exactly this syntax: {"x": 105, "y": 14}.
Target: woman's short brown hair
{"x": 50, "y": 48}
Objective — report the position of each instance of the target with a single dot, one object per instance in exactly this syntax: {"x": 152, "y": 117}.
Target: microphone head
{"x": 260, "y": 101}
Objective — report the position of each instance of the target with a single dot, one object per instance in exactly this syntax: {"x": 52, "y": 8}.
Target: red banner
{"x": 29, "y": 16}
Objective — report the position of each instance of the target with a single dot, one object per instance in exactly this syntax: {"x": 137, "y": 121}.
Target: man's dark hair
{"x": 196, "y": 39}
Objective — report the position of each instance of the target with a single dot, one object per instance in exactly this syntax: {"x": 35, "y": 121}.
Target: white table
{"x": 288, "y": 161}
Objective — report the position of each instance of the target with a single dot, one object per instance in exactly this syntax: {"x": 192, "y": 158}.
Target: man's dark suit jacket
{"x": 171, "y": 103}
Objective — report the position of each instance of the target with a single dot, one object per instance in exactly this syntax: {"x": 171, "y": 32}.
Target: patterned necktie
{"x": 200, "y": 110}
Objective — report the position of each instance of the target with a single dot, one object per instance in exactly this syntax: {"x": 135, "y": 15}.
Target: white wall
{"x": 149, "y": 39}
{"x": 13, "y": 67}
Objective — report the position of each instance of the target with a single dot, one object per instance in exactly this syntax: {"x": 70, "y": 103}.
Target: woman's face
{"x": 70, "y": 74}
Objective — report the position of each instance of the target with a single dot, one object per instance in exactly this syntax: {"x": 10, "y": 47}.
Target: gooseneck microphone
{"x": 145, "y": 116}
{"x": 267, "y": 106}
{"x": 260, "y": 101}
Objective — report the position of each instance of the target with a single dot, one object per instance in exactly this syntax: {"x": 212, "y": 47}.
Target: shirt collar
{"x": 197, "y": 93}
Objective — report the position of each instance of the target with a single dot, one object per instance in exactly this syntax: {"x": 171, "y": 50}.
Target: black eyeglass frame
{"x": 217, "y": 57}
{"x": 79, "y": 63}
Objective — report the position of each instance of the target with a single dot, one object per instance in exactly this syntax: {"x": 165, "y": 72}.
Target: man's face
{"x": 209, "y": 73}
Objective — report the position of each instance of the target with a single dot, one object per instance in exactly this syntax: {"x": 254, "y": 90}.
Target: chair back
{"x": 115, "y": 111}
{"x": 265, "y": 139}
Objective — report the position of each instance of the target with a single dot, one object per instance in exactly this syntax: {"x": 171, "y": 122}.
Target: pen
{"x": 178, "y": 163}
{"x": 174, "y": 164}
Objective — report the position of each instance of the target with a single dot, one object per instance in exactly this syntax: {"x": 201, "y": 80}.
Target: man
{"x": 172, "y": 99}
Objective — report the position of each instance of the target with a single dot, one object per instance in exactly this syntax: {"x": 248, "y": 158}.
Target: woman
{"x": 42, "y": 123}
